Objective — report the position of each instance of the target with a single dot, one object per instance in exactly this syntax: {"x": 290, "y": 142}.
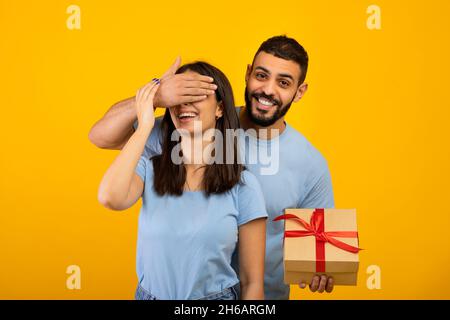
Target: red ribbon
{"x": 316, "y": 228}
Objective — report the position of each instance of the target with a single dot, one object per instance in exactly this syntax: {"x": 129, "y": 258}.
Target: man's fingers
{"x": 190, "y": 99}
{"x": 199, "y": 84}
{"x": 173, "y": 68}
{"x": 196, "y": 92}
{"x": 176, "y": 65}
{"x": 196, "y": 77}
{"x": 314, "y": 283}
{"x": 330, "y": 285}
{"x": 322, "y": 283}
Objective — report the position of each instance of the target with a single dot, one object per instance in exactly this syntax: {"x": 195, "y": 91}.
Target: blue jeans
{"x": 230, "y": 293}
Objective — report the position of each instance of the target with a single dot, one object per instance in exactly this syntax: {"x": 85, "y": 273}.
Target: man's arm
{"x": 116, "y": 127}
{"x": 320, "y": 194}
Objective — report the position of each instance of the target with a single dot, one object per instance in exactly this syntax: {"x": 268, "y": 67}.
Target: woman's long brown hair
{"x": 170, "y": 178}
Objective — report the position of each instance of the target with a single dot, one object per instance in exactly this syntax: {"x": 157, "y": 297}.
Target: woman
{"x": 194, "y": 210}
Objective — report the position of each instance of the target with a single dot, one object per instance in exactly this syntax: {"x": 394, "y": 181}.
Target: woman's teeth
{"x": 187, "y": 115}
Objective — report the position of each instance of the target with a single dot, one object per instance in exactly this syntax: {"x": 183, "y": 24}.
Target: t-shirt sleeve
{"x": 141, "y": 168}
{"x": 319, "y": 190}
{"x": 154, "y": 141}
{"x": 251, "y": 204}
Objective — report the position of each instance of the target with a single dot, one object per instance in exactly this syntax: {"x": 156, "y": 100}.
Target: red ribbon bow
{"x": 316, "y": 228}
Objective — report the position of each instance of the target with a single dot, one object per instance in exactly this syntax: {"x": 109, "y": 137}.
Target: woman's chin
{"x": 185, "y": 128}
{"x": 189, "y": 125}
{"x": 194, "y": 126}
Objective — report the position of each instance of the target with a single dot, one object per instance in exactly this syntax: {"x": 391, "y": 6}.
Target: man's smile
{"x": 264, "y": 103}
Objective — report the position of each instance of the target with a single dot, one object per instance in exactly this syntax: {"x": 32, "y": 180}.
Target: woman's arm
{"x": 121, "y": 187}
{"x": 252, "y": 244}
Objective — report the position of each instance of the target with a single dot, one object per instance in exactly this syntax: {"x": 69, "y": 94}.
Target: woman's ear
{"x": 219, "y": 110}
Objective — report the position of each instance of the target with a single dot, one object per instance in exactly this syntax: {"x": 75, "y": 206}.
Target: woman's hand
{"x": 144, "y": 105}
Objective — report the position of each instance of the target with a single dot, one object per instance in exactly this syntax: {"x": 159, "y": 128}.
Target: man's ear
{"x": 248, "y": 73}
{"x": 301, "y": 91}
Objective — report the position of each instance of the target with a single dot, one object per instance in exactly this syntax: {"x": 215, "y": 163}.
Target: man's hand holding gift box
{"x": 320, "y": 248}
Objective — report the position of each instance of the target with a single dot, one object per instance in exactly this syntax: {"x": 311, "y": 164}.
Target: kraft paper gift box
{"x": 322, "y": 241}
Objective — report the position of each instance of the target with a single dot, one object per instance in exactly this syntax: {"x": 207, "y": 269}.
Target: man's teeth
{"x": 265, "y": 102}
{"x": 187, "y": 115}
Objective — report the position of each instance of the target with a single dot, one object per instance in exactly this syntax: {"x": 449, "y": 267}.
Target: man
{"x": 274, "y": 81}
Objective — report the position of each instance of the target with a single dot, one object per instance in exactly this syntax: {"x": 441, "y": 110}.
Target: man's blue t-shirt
{"x": 292, "y": 174}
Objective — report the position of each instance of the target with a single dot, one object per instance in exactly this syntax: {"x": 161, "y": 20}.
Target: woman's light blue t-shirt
{"x": 185, "y": 243}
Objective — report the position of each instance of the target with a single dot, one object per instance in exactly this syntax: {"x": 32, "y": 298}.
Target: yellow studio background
{"x": 377, "y": 108}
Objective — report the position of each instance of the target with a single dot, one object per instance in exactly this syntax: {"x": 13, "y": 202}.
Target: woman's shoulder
{"x": 247, "y": 175}
{"x": 248, "y": 180}
{"x": 250, "y": 199}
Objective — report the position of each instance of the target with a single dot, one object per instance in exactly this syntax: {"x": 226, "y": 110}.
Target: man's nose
{"x": 269, "y": 88}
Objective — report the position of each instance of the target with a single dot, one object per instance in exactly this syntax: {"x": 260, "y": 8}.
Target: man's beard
{"x": 261, "y": 120}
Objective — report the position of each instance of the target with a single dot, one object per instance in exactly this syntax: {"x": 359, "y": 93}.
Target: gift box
{"x": 320, "y": 241}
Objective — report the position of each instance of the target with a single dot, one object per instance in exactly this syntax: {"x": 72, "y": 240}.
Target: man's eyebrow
{"x": 263, "y": 69}
{"x": 282, "y": 75}
{"x": 286, "y": 75}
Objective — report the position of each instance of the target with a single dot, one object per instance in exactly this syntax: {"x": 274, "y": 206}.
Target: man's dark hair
{"x": 169, "y": 178}
{"x": 286, "y": 48}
